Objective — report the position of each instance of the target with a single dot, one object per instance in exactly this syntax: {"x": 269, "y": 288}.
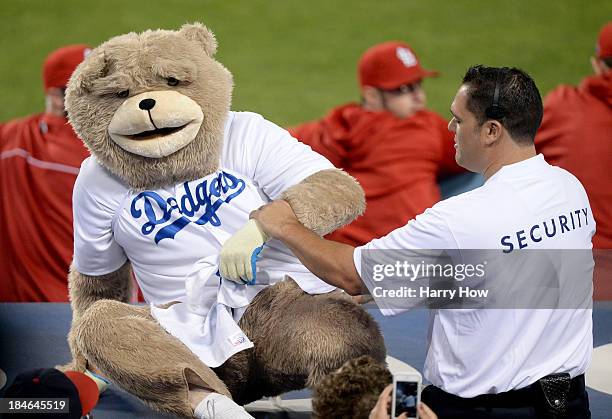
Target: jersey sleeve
{"x": 270, "y": 155}
{"x": 427, "y": 232}
{"x": 95, "y": 250}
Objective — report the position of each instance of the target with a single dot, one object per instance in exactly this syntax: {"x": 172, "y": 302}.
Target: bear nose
{"x": 146, "y": 104}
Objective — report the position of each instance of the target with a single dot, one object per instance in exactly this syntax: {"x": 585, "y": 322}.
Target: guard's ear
{"x": 202, "y": 35}
{"x": 90, "y": 70}
{"x": 493, "y": 130}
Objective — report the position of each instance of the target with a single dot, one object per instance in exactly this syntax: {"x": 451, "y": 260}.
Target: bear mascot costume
{"x": 172, "y": 179}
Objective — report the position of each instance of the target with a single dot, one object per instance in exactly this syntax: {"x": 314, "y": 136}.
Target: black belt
{"x": 551, "y": 392}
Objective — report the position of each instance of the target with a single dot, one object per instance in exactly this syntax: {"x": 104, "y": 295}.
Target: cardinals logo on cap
{"x": 406, "y": 56}
{"x": 390, "y": 65}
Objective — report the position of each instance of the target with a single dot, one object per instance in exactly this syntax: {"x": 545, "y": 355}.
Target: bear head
{"x": 151, "y": 107}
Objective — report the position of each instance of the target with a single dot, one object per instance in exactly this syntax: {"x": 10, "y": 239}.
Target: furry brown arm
{"x": 84, "y": 291}
{"x": 326, "y": 200}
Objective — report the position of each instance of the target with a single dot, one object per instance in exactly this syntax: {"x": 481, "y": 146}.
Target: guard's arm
{"x": 329, "y": 260}
{"x": 323, "y": 202}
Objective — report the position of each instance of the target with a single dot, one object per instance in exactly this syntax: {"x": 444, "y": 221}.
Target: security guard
{"x": 486, "y": 363}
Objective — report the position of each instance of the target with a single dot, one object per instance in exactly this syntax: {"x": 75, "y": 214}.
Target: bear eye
{"x": 123, "y": 94}
{"x": 172, "y": 81}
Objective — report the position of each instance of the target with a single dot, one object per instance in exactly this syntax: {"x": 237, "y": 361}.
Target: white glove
{"x": 239, "y": 253}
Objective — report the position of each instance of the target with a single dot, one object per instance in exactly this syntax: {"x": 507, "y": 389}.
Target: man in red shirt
{"x": 576, "y": 134}
{"x": 393, "y": 145}
{"x": 40, "y": 157}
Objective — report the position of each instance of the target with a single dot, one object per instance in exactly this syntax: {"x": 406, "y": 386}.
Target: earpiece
{"x": 495, "y": 111}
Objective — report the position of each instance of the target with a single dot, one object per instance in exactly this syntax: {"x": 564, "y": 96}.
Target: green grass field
{"x": 293, "y": 60}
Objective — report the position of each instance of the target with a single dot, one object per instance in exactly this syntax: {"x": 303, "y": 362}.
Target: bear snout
{"x": 156, "y": 124}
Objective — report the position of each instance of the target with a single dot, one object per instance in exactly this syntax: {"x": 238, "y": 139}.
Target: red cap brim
{"x": 87, "y": 388}
{"x": 416, "y": 76}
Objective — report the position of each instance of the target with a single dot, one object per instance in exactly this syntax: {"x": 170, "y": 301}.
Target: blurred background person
{"x": 395, "y": 147}
{"x": 40, "y": 157}
{"x": 576, "y": 134}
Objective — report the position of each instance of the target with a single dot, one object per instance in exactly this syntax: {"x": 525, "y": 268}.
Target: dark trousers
{"x": 527, "y": 403}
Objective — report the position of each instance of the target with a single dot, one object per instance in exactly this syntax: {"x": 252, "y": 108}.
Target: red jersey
{"x": 576, "y": 134}
{"x": 396, "y": 161}
{"x": 40, "y": 157}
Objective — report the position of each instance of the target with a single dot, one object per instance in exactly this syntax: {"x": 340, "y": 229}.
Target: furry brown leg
{"x": 127, "y": 345}
{"x": 326, "y": 200}
{"x": 299, "y": 338}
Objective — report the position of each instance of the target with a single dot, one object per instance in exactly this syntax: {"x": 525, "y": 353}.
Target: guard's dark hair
{"x": 518, "y": 105}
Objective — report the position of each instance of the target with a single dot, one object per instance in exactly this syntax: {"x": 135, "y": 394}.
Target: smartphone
{"x": 406, "y": 394}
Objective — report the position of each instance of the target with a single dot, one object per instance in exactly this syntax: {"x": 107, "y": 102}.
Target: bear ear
{"x": 90, "y": 70}
{"x": 202, "y": 35}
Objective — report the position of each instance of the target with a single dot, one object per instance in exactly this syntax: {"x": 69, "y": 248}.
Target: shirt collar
{"x": 521, "y": 168}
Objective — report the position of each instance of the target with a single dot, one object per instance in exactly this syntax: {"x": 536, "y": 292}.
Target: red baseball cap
{"x": 61, "y": 63}
{"x": 390, "y": 65}
{"x": 80, "y": 390}
{"x": 604, "y": 42}
{"x": 87, "y": 389}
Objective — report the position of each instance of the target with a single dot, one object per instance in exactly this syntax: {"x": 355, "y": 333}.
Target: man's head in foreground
{"x": 390, "y": 77}
{"x": 496, "y": 113}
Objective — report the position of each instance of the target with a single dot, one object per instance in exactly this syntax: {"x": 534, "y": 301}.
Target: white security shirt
{"x": 173, "y": 236}
{"x": 526, "y": 205}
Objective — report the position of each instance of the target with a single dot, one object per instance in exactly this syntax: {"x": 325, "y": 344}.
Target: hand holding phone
{"x": 406, "y": 394}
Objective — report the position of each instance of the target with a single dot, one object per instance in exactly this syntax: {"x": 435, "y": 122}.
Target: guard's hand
{"x": 273, "y": 217}
{"x": 239, "y": 253}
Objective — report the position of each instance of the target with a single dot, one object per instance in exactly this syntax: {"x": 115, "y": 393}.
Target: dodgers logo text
{"x": 208, "y": 196}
